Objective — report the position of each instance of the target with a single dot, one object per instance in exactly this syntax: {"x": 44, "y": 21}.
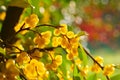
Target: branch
{"x": 48, "y": 25}
{"x": 12, "y": 18}
{"x": 95, "y": 61}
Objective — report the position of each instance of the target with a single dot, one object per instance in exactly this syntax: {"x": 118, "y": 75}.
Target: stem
{"x": 22, "y": 30}
{"x": 17, "y": 48}
{"x": 107, "y": 78}
{"x": 48, "y": 25}
{"x": 36, "y": 32}
{"x": 95, "y": 61}
{"x": 93, "y": 58}
{"x": 42, "y": 50}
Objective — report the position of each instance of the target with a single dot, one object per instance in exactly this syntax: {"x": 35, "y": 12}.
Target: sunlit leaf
{"x": 82, "y": 55}
{"x": 117, "y": 66}
{"x": 82, "y": 33}
{"x": 53, "y": 76}
{"x": 92, "y": 77}
{"x": 116, "y": 77}
{"x": 76, "y": 73}
{"x": 35, "y": 6}
{"x": 2, "y": 51}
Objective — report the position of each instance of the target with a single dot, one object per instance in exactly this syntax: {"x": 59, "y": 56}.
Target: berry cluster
{"x": 49, "y": 55}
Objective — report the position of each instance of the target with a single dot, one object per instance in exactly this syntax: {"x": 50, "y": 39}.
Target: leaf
{"x": 76, "y": 75}
{"x": 116, "y": 77}
{"x": 53, "y": 76}
{"x": 75, "y": 71}
{"x": 2, "y": 51}
{"x": 76, "y": 78}
{"x": 82, "y": 55}
{"x": 35, "y": 6}
{"x": 92, "y": 77}
{"x": 81, "y": 33}
{"x": 117, "y": 66}
{"x": 65, "y": 63}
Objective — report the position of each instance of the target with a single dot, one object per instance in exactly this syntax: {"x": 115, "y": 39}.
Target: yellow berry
{"x": 74, "y": 51}
{"x": 40, "y": 68}
{"x": 11, "y": 67}
{"x": 74, "y": 41}
{"x": 78, "y": 61}
{"x": 58, "y": 59}
{"x": 70, "y": 56}
{"x": 9, "y": 63}
{"x": 95, "y": 68}
{"x": 46, "y": 36}
{"x": 84, "y": 71}
{"x": 23, "y": 58}
{"x": 43, "y": 39}
{"x": 56, "y": 32}
{"x": 37, "y": 54}
{"x": 39, "y": 41}
{"x": 70, "y": 34}
{"x": 108, "y": 69}
{"x": 63, "y": 29}
{"x": 32, "y": 20}
{"x": 54, "y": 65}
{"x": 99, "y": 59}
{"x": 30, "y": 71}
{"x": 2, "y": 15}
{"x": 64, "y": 42}
{"x": 60, "y": 75}
{"x": 56, "y": 41}
{"x": 51, "y": 54}
{"x": 34, "y": 69}
{"x": 18, "y": 26}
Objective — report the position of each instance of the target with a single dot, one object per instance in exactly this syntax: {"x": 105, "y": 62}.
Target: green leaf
{"x": 45, "y": 28}
{"x": 65, "y": 66}
{"x": 34, "y": 2}
{"x": 53, "y": 76}
{"x": 76, "y": 74}
{"x": 92, "y": 77}
{"x": 19, "y": 78}
{"x": 35, "y": 6}
{"x": 82, "y": 55}
{"x": 75, "y": 71}
{"x": 117, "y": 66}
{"x": 2, "y": 51}
{"x": 81, "y": 33}
{"x": 116, "y": 77}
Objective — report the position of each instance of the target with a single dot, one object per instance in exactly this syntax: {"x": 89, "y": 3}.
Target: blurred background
{"x": 99, "y": 18}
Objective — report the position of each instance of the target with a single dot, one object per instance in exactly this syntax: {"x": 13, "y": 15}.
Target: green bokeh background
{"x": 76, "y": 13}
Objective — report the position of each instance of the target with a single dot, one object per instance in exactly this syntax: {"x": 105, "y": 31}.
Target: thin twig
{"x": 95, "y": 61}
{"x": 93, "y": 58}
{"x": 36, "y": 32}
{"x": 22, "y": 30}
{"x": 48, "y": 25}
